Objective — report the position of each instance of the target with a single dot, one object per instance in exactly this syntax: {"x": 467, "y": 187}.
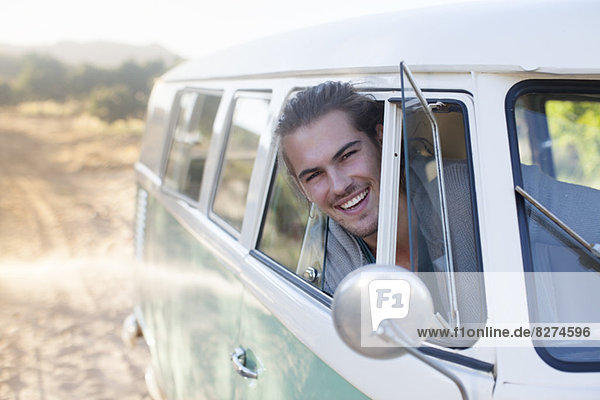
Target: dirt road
{"x": 66, "y": 208}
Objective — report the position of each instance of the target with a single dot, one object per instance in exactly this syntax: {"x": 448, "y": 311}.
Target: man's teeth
{"x": 355, "y": 201}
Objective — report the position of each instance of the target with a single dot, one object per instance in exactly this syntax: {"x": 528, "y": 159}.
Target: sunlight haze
{"x": 190, "y": 29}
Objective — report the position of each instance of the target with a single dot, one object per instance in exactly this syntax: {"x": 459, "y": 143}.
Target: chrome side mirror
{"x": 378, "y": 309}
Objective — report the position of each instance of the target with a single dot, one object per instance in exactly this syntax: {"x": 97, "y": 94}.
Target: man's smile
{"x": 355, "y": 201}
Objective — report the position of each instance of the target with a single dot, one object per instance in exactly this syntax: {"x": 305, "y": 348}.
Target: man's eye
{"x": 313, "y": 175}
{"x": 348, "y": 154}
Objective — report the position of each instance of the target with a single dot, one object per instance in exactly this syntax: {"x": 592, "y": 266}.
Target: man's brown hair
{"x": 311, "y": 104}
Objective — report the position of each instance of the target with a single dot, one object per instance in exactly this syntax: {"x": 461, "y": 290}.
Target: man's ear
{"x": 302, "y": 191}
{"x": 299, "y": 187}
{"x": 379, "y": 129}
{"x": 290, "y": 171}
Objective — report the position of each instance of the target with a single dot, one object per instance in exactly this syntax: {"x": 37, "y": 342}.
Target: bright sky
{"x": 187, "y": 27}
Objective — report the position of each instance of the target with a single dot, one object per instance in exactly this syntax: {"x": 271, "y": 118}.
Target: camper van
{"x": 232, "y": 296}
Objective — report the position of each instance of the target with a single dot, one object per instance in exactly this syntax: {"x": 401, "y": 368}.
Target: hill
{"x": 100, "y": 54}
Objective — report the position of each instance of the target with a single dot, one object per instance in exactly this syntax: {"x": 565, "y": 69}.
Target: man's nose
{"x": 339, "y": 182}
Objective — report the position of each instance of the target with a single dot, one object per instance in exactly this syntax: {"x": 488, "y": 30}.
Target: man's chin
{"x": 360, "y": 231}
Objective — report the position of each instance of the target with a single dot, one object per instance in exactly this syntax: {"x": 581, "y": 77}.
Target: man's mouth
{"x": 355, "y": 201}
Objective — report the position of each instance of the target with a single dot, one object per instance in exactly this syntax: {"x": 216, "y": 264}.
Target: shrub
{"x": 111, "y": 103}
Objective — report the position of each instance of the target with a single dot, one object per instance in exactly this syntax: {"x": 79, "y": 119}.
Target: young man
{"x": 330, "y": 140}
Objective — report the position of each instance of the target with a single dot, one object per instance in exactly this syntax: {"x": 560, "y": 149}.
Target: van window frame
{"x": 540, "y": 86}
{"x": 453, "y": 97}
{"x": 380, "y": 94}
{"x": 174, "y": 115}
{"x": 271, "y": 262}
{"x": 212, "y": 215}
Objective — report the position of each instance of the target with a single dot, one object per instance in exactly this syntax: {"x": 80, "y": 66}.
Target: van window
{"x": 284, "y": 222}
{"x": 555, "y": 135}
{"x": 191, "y": 139}
{"x": 248, "y": 122}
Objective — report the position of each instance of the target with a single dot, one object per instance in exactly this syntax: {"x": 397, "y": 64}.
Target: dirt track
{"x": 66, "y": 209}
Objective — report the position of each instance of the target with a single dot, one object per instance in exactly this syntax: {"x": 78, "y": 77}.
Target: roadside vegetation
{"x": 49, "y": 86}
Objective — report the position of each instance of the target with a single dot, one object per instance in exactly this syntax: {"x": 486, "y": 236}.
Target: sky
{"x": 186, "y": 27}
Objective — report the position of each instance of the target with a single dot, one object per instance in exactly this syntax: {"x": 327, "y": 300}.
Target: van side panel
{"x": 287, "y": 368}
{"x": 191, "y": 307}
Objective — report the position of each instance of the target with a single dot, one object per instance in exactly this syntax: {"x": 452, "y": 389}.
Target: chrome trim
{"x": 146, "y": 175}
{"x": 310, "y": 274}
{"x": 131, "y": 330}
{"x": 390, "y": 184}
{"x": 238, "y": 358}
{"x": 154, "y": 389}
{"x": 140, "y": 222}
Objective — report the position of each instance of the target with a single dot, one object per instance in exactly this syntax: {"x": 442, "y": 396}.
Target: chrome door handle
{"x": 238, "y": 357}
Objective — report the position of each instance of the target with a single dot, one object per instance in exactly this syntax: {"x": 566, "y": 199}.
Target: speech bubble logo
{"x": 388, "y": 298}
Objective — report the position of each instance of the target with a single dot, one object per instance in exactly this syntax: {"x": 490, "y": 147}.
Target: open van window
{"x": 300, "y": 237}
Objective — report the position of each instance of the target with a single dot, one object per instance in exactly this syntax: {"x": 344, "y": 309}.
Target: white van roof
{"x": 554, "y": 36}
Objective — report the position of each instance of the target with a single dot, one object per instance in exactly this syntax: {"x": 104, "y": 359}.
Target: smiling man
{"x": 330, "y": 139}
{"x": 337, "y": 168}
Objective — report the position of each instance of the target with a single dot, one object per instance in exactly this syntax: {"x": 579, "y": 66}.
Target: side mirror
{"x": 378, "y": 309}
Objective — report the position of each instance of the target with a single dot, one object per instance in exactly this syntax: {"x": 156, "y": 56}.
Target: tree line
{"x": 110, "y": 94}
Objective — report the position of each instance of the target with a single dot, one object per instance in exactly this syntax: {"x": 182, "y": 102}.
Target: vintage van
{"x": 230, "y": 273}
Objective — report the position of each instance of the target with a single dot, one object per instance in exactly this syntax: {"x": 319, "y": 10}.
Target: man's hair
{"x": 313, "y": 103}
{"x": 307, "y": 106}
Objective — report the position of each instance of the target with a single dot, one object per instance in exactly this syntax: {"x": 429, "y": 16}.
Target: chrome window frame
{"x": 170, "y": 139}
{"x": 219, "y": 155}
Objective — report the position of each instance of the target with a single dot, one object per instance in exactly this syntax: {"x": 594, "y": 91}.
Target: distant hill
{"x": 100, "y": 54}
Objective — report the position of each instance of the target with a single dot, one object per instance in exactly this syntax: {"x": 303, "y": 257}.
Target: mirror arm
{"x": 390, "y": 332}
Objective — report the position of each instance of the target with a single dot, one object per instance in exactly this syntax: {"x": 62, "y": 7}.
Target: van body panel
{"x": 513, "y": 391}
{"x": 287, "y": 368}
{"x": 187, "y": 297}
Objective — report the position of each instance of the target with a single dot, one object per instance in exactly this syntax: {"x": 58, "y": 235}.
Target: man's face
{"x": 338, "y": 168}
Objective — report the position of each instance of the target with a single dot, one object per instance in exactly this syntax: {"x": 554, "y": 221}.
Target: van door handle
{"x": 238, "y": 357}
